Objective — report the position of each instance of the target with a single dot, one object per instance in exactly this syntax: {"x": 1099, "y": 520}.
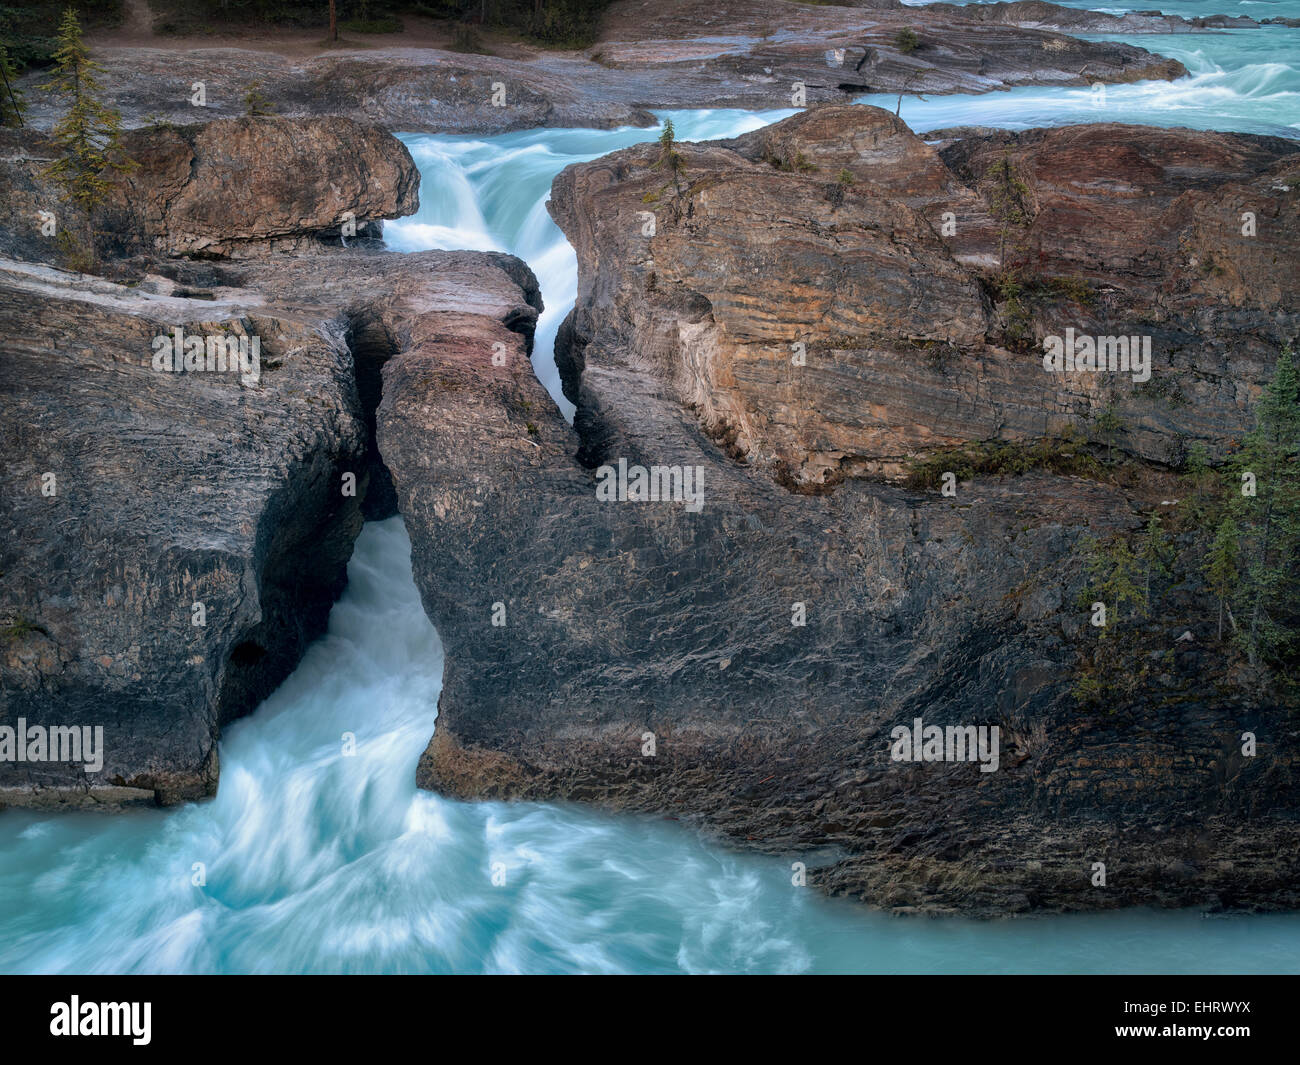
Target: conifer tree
{"x": 1009, "y": 204}
{"x": 89, "y": 134}
{"x": 669, "y": 156}
{"x": 1269, "y": 587}
{"x": 1154, "y": 554}
{"x": 1114, "y": 575}
{"x": 1110, "y": 426}
{"x": 11, "y": 99}
{"x": 1197, "y": 471}
{"x": 1221, "y": 566}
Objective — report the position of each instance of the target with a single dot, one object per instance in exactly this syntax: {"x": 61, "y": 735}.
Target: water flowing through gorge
{"x": 489, "y": 194}
{"x": 312, "y": 859}
{"x": 316, "y": 861}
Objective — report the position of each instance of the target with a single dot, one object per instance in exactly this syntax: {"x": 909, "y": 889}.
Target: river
{"x": 311, "y": 859}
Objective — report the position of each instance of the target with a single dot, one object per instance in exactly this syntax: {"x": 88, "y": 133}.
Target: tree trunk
{"x": 18, "y": 114}
{"x": 1251, "y": 649}
{"x": 334, "y": 22}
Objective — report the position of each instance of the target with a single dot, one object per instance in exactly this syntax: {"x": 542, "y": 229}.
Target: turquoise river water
{"x": 311, "y": 860}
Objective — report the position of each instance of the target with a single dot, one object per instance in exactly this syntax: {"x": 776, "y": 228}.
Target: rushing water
{"x": 489, "y": 194}
{"x": 315, "y": 860}
{"x": 1247, "y": 80}
{"x": 1256, "y": 9}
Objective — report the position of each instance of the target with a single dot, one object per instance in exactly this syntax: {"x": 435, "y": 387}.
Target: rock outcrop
{"x": 173, "y": 540}
{"x": 834, "y": 51}
{"x": 231, "y": 187}
{"x": 177, "y": 522}
{"x": 220, "y": 188}
{"x": 738, "y": 655}
{"x": 1036, "y": 14}
{"x": 770, "y": 329}
{"x": 886, "y": 265}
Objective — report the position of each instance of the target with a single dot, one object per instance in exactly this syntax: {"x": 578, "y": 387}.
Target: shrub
{"x": 907, "y": 41}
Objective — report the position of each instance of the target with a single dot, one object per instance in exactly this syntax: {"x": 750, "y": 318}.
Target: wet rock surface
{"x": 131, "y": 495}
{"x": 741, "y": 666}
{"x": 1035, "y": 14}
{"x": 177, "y": 532}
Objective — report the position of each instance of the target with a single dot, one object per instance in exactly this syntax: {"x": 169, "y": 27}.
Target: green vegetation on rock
{"x": 906, "y": 40}
{"x": 88, "y": 137}
{"x": 1227, "y": 577}
{"x": 1066, "y": 453}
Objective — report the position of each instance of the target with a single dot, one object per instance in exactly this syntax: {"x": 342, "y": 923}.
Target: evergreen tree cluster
{"x": 89, "y": 134}
{"x": 1240, "y": 544}
{"x": 87, "y": 138}
{"x": 29, "y": 28}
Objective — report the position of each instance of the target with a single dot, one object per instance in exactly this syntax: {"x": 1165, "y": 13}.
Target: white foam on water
{"x": 317, "y": 861}
{"x": 491, "y": 195}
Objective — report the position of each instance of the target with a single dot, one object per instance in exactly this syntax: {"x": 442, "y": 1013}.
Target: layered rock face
{"x": 177, "y": 520}
{"x": 173, "y": 540}
{"x": 756, "y": 329}
{"x": 739, "y": 652}
{"x": 883, "y": 264}
{"x": 207, "y": 190}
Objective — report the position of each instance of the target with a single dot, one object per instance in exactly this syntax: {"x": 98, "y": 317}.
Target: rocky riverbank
{"x": 756, "y": 54}
{"x": 177, "y": 529}
{"x": 742, "y": 664}
{"x": 886, "y": 259}
{"x": 784, "y": 326}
